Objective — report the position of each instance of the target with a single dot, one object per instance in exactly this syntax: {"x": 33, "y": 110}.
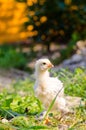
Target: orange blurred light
{"x": 74, "y": 7}
{"x": 13, "y": 30}
{"x": 37, "y": 23}
{"x": 31, "y": 13}
{"x": 23, "y": 35}
{"x": 68, "y": 2}
{"x": 12, "y": 19}
{"x": 30, "y": 27}
{"x": 43, "y": 19}
{"x": 35, "y": 18}
{"x": 31, "y": 2}
{"x": 2, "y": 26}
{"x": 35, "y": 33}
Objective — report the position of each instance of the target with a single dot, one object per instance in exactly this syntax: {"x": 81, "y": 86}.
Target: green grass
{"x": 75, "y": 83}
{"x": 12, "y": 56}
{"x": 9, "y": 57}
{"x": 20, "y": 106}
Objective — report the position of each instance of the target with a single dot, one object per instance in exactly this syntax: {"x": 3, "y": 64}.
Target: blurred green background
{"x": 30, "y": 29}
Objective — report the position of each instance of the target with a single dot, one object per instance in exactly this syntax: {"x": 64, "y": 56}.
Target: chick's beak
{"x": 50, "y": 65}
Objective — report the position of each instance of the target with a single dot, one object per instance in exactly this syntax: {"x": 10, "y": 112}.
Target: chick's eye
{"x": 44, "y": 63}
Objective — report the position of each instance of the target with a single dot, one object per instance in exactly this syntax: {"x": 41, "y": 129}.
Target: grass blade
{"x": 52, "y": 103}
{"x": 7, "y": 112}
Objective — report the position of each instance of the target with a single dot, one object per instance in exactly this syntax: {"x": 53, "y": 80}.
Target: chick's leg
{"x": 41, "y": 115}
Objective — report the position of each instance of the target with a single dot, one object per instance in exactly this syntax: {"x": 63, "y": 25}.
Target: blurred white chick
{"x": 47, "y": 87}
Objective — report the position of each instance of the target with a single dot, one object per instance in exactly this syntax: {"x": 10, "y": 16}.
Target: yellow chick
{"x": 47, "y": 87}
